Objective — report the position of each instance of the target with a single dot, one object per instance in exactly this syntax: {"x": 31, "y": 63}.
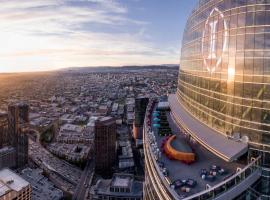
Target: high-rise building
{"x": 23, "y": 112}
{"x": 105, "y": 145}
{"x": 13, "y": 132}
{"x": 140, "y": 109}
{"x": 222, "y": 105}
{"x": 224, "y": 74}
{"x": 7, "y": 157}
{"x": 22, "y": 149}
{"x": 22, "y": 144}
{"x": 3, "y": 129}
{"x": 13, "y": 124}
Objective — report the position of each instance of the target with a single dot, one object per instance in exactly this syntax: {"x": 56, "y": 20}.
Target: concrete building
{"x": 12, "y": 186}
{"x": 130, "y": 104}
{"x": 7, "y": 157}
{"x": 22, "y": 149}
{"x": 73, "y": 134}
{"x": 13, "y": 124}
{"x": 71, "y": 152}
{"x": 105, "y": 145}
{"x": 126, "y": 160}
{"x": 120, "y": 187}
{"x": 42, "y": 188}
{"x": 23, "y": 113}
{"x": 3, "y": 129}
{"x": 139, "y": 111}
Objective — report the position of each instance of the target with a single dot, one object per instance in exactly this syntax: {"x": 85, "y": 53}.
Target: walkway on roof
{"x": 225, "y": 148}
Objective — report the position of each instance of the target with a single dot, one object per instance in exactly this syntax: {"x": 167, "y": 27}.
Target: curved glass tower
{"x": 224, "y": 78}
{"x": 222, "y": 103}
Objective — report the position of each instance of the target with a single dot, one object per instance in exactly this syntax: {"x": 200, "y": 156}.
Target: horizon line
{"x": 73, "y": 68}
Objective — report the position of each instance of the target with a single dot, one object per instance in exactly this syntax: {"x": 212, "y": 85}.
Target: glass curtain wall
{"x": 224, "y": 78}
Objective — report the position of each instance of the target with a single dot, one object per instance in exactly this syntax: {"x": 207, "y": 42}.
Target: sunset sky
{"x": 39, "y": 35}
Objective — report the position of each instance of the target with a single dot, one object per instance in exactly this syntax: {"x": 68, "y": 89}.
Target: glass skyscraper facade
{"x": 223, "y": 90}
{"x": 224, "y": 78}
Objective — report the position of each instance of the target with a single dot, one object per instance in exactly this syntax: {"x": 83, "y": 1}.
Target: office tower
{"x": 105, "y": 145}
{"x": 140, "y": 108}
{"x": 3, "y": 129}
{"x": 18, "y": 117}
{"x": 7, "y": 157}
{"x": 13, "y": 124}
{"x": 12, "y": 186}
{"x": 22, "y": 149}
{"x": 23, "y": 112}
{"x": 222, "y": 105}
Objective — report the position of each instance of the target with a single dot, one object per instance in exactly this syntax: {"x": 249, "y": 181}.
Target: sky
{"x": 41, "y": 35}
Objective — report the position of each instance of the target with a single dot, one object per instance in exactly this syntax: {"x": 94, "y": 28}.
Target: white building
{"x": 12, "y": 186}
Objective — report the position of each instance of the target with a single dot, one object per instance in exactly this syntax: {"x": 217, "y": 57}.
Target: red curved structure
{"x": 172, "y": 153}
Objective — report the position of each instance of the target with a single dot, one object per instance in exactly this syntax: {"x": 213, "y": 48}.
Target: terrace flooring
{"x": 204, "y": 159}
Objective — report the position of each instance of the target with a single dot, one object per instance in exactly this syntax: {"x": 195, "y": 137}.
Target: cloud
{"x": 48, "y": 34}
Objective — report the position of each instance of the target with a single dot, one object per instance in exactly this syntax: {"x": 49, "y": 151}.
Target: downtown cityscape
{"x": 123, "y": 124}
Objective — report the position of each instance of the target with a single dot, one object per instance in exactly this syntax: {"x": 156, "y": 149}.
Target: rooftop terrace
{"x": 206, "y": 177}
{"x": 214, "y": 141}
{"x": 204, "y": 160}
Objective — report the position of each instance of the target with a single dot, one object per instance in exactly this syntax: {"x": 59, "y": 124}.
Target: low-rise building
{"x": 126, "y": 160}
{"x": 12, "y": 186}
{"x": 71, "y": 152}
{"x": 73, "y": 134}
{"x": 42, "y": 188}
{"x": 121, "y": 186}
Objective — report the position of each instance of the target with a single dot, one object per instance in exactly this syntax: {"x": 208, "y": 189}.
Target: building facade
{"x": 12, "y": 186}
{"x": 105, "y": 145}
{"x": 139, "y": 110}
{"x": 120, "y": 187}
{"x": 13, "y": 124}
{"x": 23, "y": 113}
{"x": 22, "y": 149}
{"x": 225, "y": 69}
{"x": 13, "y": 135}
{"x": 224, "y": 93}
{"x": 3, "y": 129}
{"x": 7, "y": 157}
{"x": 18, "y": 119}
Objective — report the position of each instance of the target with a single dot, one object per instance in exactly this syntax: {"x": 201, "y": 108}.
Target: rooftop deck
{"x": 204, "y": 159}
{"x": 209, "y": 138}
{"x": 161, "y": 171}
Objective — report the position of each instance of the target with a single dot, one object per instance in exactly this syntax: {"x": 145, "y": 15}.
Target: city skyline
{"x": 135, "y": 99}
{"x": 48, "y": 35}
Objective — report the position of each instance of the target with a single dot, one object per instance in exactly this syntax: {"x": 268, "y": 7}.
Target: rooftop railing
{"x": 211, "y": 192}
{"x": 229, "y": 183}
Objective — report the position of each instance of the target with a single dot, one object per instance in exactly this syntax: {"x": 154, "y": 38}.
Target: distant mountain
{"x": 130, "y": 67}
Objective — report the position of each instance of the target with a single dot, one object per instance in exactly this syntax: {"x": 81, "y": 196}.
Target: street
{"x": 86, "y": 178}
